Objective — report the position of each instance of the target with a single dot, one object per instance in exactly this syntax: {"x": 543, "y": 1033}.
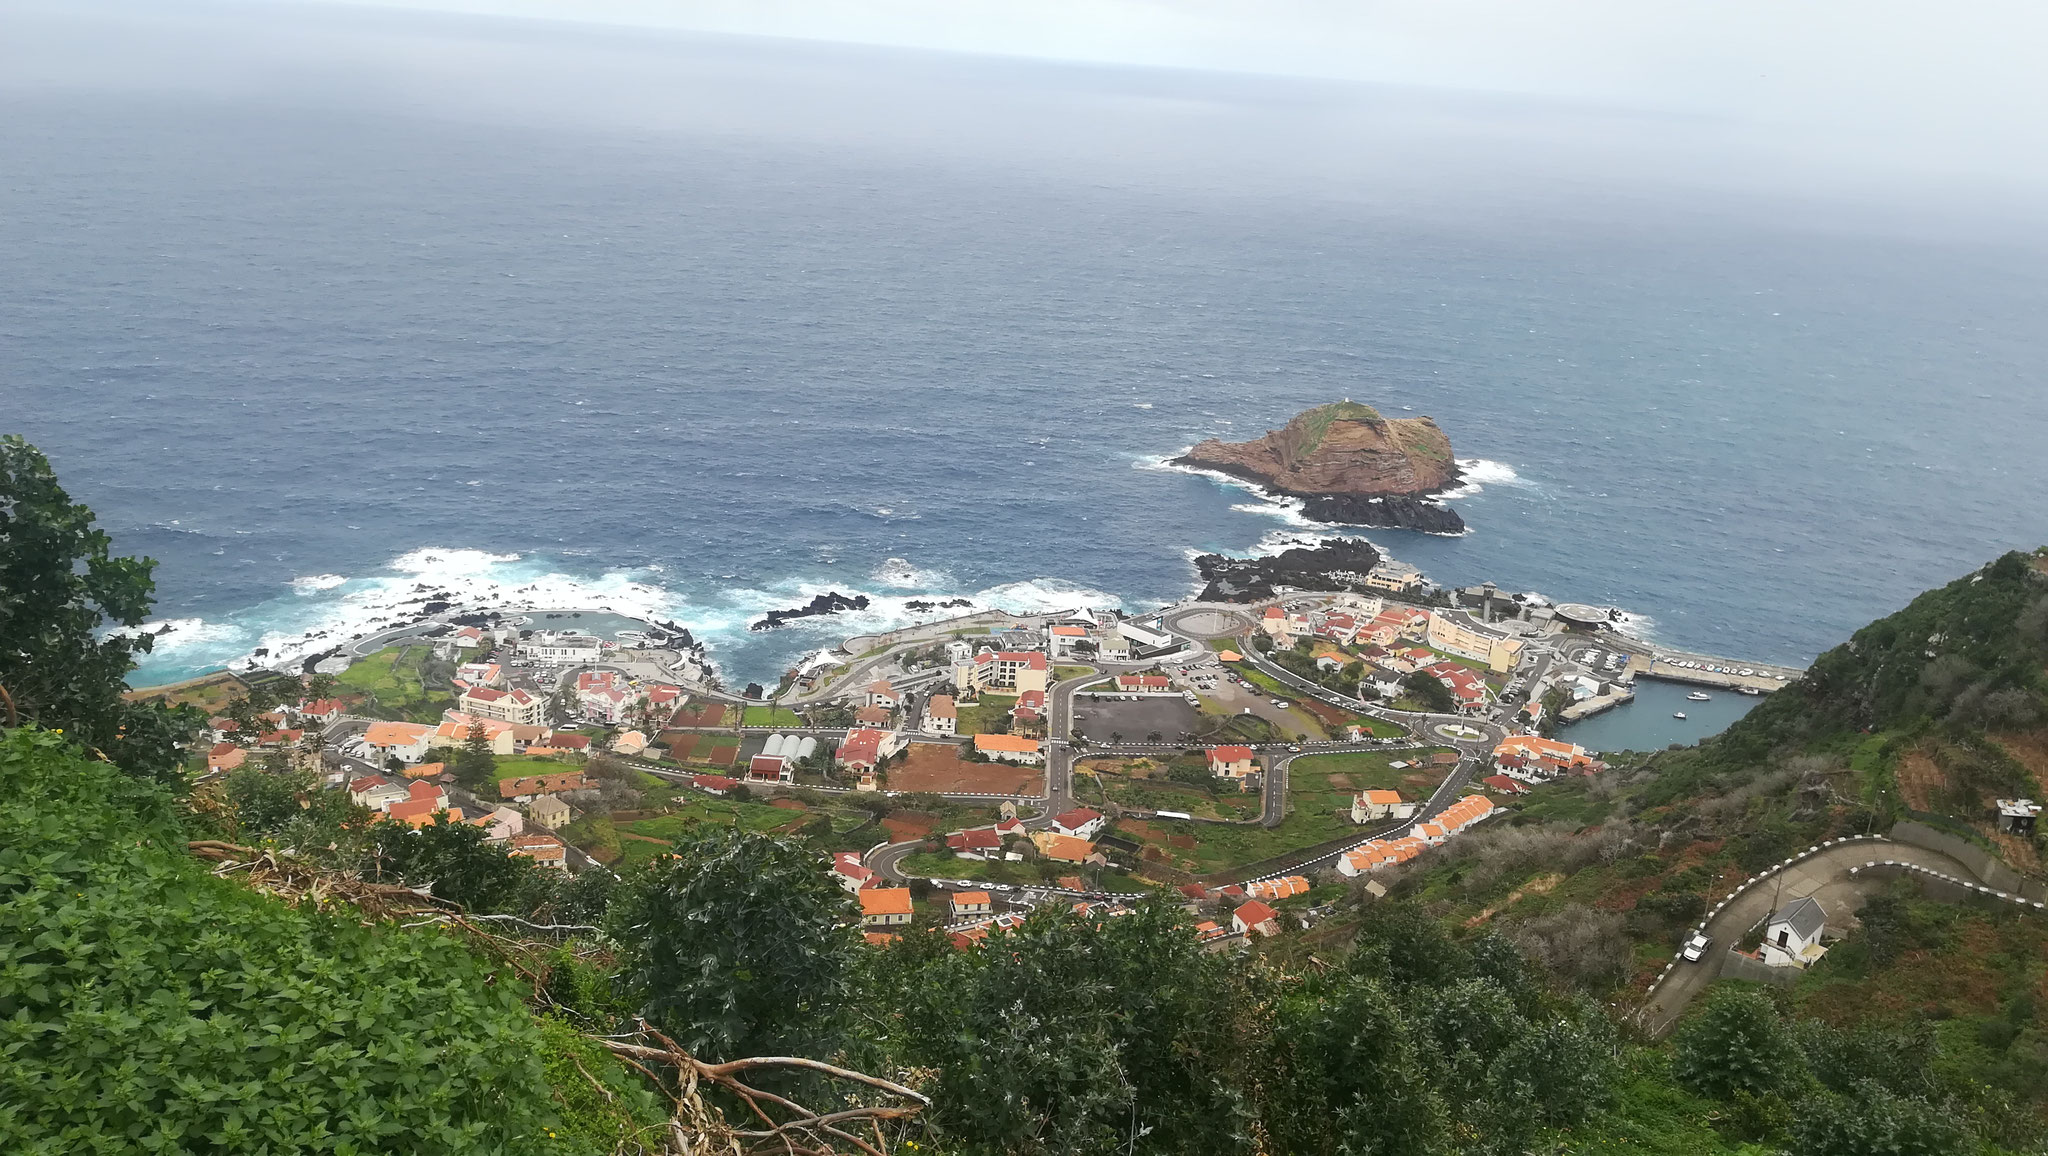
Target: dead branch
{"x": 790, "y": 1128}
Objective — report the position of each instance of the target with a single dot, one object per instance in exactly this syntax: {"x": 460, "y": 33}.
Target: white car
{"x": 1696, "y": 948}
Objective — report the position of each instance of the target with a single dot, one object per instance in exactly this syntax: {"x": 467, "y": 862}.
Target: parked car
{"x": 1696, "y": 948}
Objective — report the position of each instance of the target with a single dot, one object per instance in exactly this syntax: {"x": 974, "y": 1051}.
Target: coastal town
{"x": 1250, "y": 757}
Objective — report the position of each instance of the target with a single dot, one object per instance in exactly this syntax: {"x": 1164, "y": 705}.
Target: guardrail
{"x": 2020, "y": 901}
{"x": 1700, "y": 928}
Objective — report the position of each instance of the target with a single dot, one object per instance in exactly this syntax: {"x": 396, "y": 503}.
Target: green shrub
{"x": 146, "y": 1005}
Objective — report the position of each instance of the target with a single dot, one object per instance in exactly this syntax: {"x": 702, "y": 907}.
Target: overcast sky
{"x": 1923, "y": 71}
{"x": 1870, "y": 97}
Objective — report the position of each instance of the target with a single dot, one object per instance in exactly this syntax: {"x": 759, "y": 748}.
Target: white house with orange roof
{"x": 1010, "y": 748}
{"x": 1274, "y": 890}
{"x": 851, "y": 873}
{"x": 518, "y": 705}
{"x": 1064, "y": 637}
{"x": 406, "y": 742}
{"x": 885, "y": 906}
{"x": 1535, "y": 759}
{"x": 941, "y": 715}
{"x": 1232, "y": 762}
{"x": 968, "y": 904}
{"x": 376, "y": 792}
{"x": 1375, "y": 806}
{"x": 1081, "y": 822}
{"x": 1467, "y": 688}
{"x": 1254, "y": 917}
{"x": 1379, "y": 855}
{"x": 545, "y": 851}
{"x": 883, "y": 694}
{"x": 454, "y": 728}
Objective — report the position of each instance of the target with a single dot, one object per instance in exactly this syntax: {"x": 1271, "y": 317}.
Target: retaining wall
{"x": 1988, "y": 867}
{"x": 1735, "y": 965}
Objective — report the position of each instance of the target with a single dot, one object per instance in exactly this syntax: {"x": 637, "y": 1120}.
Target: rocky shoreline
{"x": 831, "y": 602}
{"x": 1419, "y": 512}
{"x": 1339, "y": 564}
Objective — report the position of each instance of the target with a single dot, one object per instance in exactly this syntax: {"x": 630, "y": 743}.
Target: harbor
{"x": 1645, "y": 722}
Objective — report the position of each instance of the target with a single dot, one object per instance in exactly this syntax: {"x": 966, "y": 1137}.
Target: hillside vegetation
{"x": 255, "y": 964}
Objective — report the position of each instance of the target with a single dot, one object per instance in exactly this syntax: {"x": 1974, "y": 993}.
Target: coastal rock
{"x": 1397, "y": 511}
{"x": 829, "y": 603}
{"x": 1348, "y": 464}
{"x": 949, "y": 604}
{"x": 1335, "y": 565}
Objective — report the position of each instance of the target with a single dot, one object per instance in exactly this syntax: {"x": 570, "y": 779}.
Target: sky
{"x": 1957, "y": 87}
{"x": 1879, "y": 105}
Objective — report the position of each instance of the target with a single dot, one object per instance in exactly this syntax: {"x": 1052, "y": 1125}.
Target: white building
{"x": 1792, "y": 937}
{"x": 517, "y": 706}
{"x": 549, "y": 646}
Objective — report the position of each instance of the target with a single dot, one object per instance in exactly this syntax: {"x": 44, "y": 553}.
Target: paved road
{"x": 1825, "y": 876}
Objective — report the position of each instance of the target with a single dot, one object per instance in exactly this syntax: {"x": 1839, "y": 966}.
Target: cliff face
{"x": 1348, "y": 464}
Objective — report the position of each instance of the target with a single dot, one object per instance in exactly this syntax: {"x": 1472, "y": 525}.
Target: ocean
{"x": 315, "y": 353}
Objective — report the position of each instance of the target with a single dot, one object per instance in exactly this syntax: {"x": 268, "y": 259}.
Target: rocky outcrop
{"x": 829, "y": 603}
{"x": 1397, "y": 510}
{"x": 1338, "y": 564}
{"x": 1347, "y": 464}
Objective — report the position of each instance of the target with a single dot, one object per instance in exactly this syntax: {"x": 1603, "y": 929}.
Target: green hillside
{"x": 252, "y": 963}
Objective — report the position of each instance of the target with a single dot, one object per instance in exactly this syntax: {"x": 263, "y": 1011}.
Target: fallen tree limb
{"x": 699, "y": 1128}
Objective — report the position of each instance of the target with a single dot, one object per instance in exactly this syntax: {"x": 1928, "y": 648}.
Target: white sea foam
{"x": 322, "y": 612}
{"x": 1478, "y": 473}
{"x": 1045, "y": 596}
{"x": 1288, "y": 510}
{"x": 181, "y": 636}
{"x": 899, "y": 573}
{"x": 1274, "y": 542}
{"x": 439, "y": 560}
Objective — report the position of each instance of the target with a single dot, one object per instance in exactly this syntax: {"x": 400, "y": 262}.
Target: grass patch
{"x": 723, "y": 812}
{"x": 395, "y": 681}
{"x": 1266, "y": 682}
{"x": 1207, "y": 847}
{"x": 525, "y": 768}
{"x": 1062, "y": 673}
{"x": 1566, "y": 800}
{"x": 990, "y": 715}
{"x": 1356, "y": 771}
{"x": 770, "y": 716}
{"x": 942, "y": 865}
{"x": 1230, "y": 804}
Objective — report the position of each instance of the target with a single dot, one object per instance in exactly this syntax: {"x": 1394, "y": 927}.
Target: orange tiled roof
{"x": 885, "y": 901}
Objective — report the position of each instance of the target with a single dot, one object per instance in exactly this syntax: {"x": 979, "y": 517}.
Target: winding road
{"x": 1824, "y": 875}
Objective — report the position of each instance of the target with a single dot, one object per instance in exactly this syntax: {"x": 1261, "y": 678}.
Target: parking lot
{"x": 1172, "y": 718}
{"x": 1604, "y": 662}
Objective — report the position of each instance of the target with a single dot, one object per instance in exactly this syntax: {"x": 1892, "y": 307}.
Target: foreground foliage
{"x": 61, "y": 589}
{"x": 146, "y": 1005}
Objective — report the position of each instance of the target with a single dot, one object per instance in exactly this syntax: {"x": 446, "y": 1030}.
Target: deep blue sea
{"x": 311, "y": 351}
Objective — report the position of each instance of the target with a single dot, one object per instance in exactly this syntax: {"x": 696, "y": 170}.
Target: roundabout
{"x": 1457, "y": 732}
{"x": 1208, "y": 623}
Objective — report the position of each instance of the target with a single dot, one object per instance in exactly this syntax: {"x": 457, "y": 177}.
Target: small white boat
{"x": 1748, "y": 690}
{"x": 1678, "y": 714}
{"x": 1700, "y": 696}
